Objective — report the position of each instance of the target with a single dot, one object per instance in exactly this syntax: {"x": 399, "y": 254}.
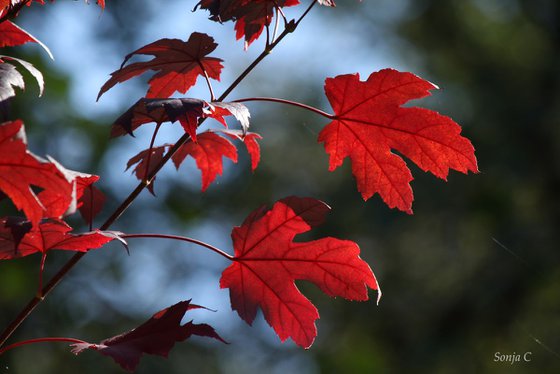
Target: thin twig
{"x": 149, "y": 158}
{"x": 288, "y": 102}
{"x": 181, "y": 238}
{"x": 40, "y": 340}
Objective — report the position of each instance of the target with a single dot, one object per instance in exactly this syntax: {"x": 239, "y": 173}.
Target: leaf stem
{"x": 40, "y": 340}
{"x": 207, "y": 78}
{"x": 181, "y": 238}
{"x": 288, "y": 102}
{"x": 149, "y": 158}
{"x": 32, "y": 304}
{"x": 290, "y": 27}
{"x": 41, "y": 270}
{"x": 280, "y": 12}
{"x": 91, "y": 204}
{"x": 276, "y": 24}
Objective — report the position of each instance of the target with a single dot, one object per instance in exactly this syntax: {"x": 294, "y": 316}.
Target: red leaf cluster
{"x": 207, "y": 148}
{"x": 62, "y": 190}
{"x": 268, "y": 261}
{"x": 208, "y": 152}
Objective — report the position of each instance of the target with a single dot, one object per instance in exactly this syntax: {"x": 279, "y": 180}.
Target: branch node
{"x": 291, "y": 26}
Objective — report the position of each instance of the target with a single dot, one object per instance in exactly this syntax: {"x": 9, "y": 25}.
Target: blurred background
{"x": 473, "y": 273}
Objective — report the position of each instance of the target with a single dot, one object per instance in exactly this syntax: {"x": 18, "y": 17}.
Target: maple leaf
{"x": 369, "y": 122}
{"x": 250, "y": 16}
{"x": 267, "y": 262}
{"x": 90, "y": 198}
{"x": 250, "y": 141}
{"x": 178, "y": 64}
{"x": 219, "y": 109}
{"x": 207, "y": 152}
{"x": 91, "y": 203}
{"x": 10, "y": 77}
{"x": 57, "y": 205}
{"x": 20, "y": 169}
{"x": 12, "y": 35}
{"x": 143, "y": 159}
{"x": 18, "y": 238}
{"x": 157, "y": 336}
{"x": 185, "y": 110}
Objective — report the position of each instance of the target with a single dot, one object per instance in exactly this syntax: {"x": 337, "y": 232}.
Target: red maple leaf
{"x": 12, "y": 35}
{"x": 146, "y": 161}
{"x": 250, "y": 141}
{"x": 178, "y": 65}
{"x": 185, "y": 110}
{"x": 19, "y": 239}
{"x": 369, "y": 122}
{"x": 207, "y": 151}
{"x": 267, "y": 262}
{"x": 20, "y": 170}
{"x": 157, "y": 336}
{"x": 56, "y": 205}
{"x": 250, "y": 16}
{"x": 91, "y": 201}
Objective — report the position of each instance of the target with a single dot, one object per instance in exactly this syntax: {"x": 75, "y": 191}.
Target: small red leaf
{"x": 208, "y": 152}
{"x": 145, "y": 158}
{"x": 250, "y": 141}
{"x": 90, "y": 198}
{"x": 267, "y": 262}
{"x": 12, "y": 35}
{"x": 370, "y": 122}
{"x": 157, "y": 336}
{"x": 178, "y": 64}
{"x": 50, "y": 234}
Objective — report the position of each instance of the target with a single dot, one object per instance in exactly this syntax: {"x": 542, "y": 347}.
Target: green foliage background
{"x": 473, "y": 272}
